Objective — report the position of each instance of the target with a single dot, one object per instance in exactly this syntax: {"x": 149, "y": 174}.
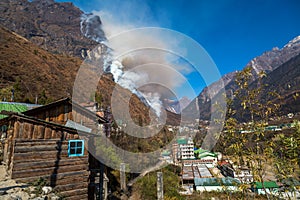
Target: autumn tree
{"x": 247, "y": 117}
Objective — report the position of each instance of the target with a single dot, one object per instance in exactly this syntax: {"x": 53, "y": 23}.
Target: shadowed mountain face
{"x": 53, "y": 26}
{"x": 35, "y": 73}
{"x": 268, "y": 62}
{"x": 32, "y": 71}
{"x": 285, "y": 81}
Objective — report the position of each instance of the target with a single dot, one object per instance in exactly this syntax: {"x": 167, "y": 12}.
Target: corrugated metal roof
{"x": 206, "y": 154}
{"x": 15, "y": 107}
{"x": 227, "y": 181}
{"x": 267, "y": 184}
{"x": 182, "y": 141}
{"x": 204, "y": 172}
{"x": 200, "y": 151}
{"x": 166, "y": 153}
{"x": 72, "y": 124}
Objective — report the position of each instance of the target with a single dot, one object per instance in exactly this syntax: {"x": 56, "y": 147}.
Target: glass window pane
{"x": 79, "y": 144}
{"x": 72, "y": 144}
{"x": 76, "y": 147}
{"x": 72, "y": 151}
{"x": 79, "y": 151}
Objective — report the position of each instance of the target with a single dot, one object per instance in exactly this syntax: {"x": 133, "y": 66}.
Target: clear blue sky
{"x": 232, "y": 31}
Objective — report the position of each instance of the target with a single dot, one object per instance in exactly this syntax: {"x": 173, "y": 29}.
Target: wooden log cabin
{"x": 38, "y": 144}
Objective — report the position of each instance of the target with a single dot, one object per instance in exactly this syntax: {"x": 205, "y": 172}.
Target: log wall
{"x": 48, "y": 159}
{"x": 36, "y": 149}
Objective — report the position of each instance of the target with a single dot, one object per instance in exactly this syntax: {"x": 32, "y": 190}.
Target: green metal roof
{"x": 267, "y": 184}
{"x": 200, "y": 151}
{"x": 13, "y": 107}
{"x": 205, "y": 154}
{"x": 166, "y": 153}
{"x": 227, "y": 181}
{"x": 182, "y": 141}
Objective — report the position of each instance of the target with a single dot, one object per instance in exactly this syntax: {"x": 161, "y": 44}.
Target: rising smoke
{"x": 91, "y": 27}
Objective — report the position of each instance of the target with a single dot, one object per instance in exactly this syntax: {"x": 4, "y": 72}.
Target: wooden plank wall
{"x": 37, "y": 150}
{"x": 48, "y": 159}
{"x": 30, "y": 130}
{"x": 62, "y": 112}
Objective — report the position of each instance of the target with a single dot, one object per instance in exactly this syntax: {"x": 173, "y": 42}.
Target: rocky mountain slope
{"x": 59, "y": 28}
{"x": 52, "y": 26}
{"x": 284, "y": 81}
{"x": 33, "y": 72}
{"x": 268, "y": 62}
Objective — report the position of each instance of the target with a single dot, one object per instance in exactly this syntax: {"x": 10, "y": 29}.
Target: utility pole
{"x": 160, "y": 186}
{"x": 123, "y": 177}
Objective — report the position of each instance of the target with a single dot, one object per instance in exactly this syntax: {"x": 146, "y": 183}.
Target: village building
{"x": 208, "y": 158}
{"x": 190, "y": 172}
{"x": 269, "y": 187}
{"x": 16, "y": 107}
{"x": 166, "y": 155}
{"x": 51, "y": 142}
{"x": 175, "y": 154}
{"x": 186, "y": 148}
{"x": 216, "y": 184}
{"x": 241, "y": 173}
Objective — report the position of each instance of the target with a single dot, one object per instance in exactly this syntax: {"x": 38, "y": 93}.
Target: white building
{"x": 186, "y": 149}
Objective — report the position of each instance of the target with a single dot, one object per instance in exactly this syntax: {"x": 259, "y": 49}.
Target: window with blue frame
{"x": 76, "y": 148}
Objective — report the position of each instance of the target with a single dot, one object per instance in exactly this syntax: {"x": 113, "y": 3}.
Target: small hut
{"x": 50, "y": 142}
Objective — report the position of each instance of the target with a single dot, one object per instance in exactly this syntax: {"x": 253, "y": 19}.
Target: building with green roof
{"x": 185, "y": 148}
{"x": 181, "y": 141}
{"x": 15, "y": 107}
{"x": 206, "y": 156}
{"x": 269, "y": 187}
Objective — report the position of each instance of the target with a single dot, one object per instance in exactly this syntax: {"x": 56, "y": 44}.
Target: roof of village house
{"x": 77, "y": 126}
{"x": 182, "y": 141}
{"x": 227, "y": 181}
{"x": 204, "y": 153}
{"x": 15, "y": 107}
{"x": 69, "y": 126}
{"x": 267, "y": 184}
{"x": 223, "y": 162}
{"x": 62, "y": 101}
{"x": 166, "y": 153}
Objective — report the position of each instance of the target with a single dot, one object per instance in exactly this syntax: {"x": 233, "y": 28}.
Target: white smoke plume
{"x": 153, "y": 99}
{"x": 123, "y": 66}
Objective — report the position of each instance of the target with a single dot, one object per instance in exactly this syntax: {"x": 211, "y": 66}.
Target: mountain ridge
{"x": 268, "y": 61}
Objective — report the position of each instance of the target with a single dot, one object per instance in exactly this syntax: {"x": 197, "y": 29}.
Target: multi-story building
{"x": 186, "y": 149}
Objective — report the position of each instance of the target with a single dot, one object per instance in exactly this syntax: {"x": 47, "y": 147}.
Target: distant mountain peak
{"x": 268, "y": 62}
{"x": 176, "y": 106}
{"x": 295, "y": 41}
